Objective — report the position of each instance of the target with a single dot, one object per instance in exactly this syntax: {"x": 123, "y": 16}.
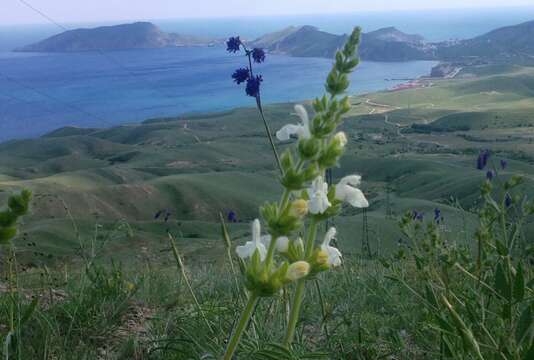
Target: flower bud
{"x": 308, "y": 148}
{"x": 321, "y": 258}
{"x": 341, "y": 139}
{"x": 297, "y": 270}
{"x": 299, "y": 208}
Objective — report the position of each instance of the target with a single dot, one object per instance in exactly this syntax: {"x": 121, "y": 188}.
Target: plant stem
{"x": 181, "y": 268}
{"x": 295, "y": 313}
{"x": 269, "y": 135}
{"x": 299, "y": 292}
{"x": 323, "y": 309}
{"x": 260, "y": 109}
{"x": 241, "y": 326}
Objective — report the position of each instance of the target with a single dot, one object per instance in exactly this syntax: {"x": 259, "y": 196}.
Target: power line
{"x": 99, "y": 50}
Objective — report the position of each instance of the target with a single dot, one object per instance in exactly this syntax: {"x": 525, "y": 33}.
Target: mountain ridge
{"x": 138, "y": 35}
{"x": 509, "y": 43}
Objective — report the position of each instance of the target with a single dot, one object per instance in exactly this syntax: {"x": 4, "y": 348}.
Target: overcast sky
{"x": 15, "y": 12}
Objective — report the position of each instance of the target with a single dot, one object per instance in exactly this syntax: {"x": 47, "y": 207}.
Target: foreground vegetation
{"x": 434, "y": 298}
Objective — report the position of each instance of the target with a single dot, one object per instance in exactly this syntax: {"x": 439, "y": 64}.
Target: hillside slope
{"x": 421, "y": 143}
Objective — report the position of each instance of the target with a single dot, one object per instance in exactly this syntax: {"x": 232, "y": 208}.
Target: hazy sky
{"x": 14, "y": 12}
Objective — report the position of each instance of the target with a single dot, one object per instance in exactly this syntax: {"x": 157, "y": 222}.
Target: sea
{"x": 42, "y": 92}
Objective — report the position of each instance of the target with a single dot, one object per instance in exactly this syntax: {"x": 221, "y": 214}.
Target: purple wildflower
{"x": 482, "y": 160}
{"x": 437, "y": 215}
{"x": 167, "y": 216}
{"x": 258, "y": 55}
{"x": 253, "y": 86}
{"x": 508, "y": 200}
{"x": 504, "y": 164}
{"x": 241, "y": 75}
{"x": 490, "y": 175}
{"x": 418, "y": 215}
{"x": 232, "y": 216}
{"x": 158, "y": 214}
{"x": 233, "y": 44}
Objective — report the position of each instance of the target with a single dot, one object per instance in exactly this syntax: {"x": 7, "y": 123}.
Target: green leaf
{"x": 501, "y": 248}
{"x": 431, "y": 297}
{"x": 29, "y": 311}
{"x": 519, "y": 284}
{"x": 524, "y": 325}
{"x": 529, "y": 355}
{"x": 502, "y": 284}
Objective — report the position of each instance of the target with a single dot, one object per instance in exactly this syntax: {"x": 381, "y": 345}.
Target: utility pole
{"x": 366, "y": 248}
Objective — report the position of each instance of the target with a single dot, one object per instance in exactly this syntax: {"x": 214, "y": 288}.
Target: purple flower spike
{"x": 482, "y": 160}
{"x": 504, "y": 164}
{"x": 233, "y": 44}
{"x": 241, "y": 75}
{"x": 490, "y": 175}
{"x": 258, "y": 55}
{"x": 253, "y": 86}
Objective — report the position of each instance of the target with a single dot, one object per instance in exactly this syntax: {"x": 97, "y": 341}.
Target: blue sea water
{"x": 45, "y": 91}
{"x": 41, "y": 92}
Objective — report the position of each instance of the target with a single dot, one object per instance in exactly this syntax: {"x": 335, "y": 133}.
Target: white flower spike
{"x": 301, "y": 130}
{"x": 257, "y": 243}
{"x": 318, "y": 194}
{"x": 347, "y": 191}
{"x": 334, "y": 255}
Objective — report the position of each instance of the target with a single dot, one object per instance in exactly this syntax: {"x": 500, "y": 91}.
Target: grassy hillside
{"x": 420, "y": 143}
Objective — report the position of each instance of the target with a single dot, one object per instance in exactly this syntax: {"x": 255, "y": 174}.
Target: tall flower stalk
{"x": 253, "y": 82}
{"x": 280, "y": 257}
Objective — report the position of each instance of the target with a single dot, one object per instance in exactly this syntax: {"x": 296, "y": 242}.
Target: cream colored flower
{"x": 302, "y": 130}
{"x": 299, "y": 208}
{"x": 347, "y": 191}
{"x": 282, "y": 243}
{"x": 257, "y": 243}
{"x": 297, "y": 270}
{"x": 341, "y": 138}
{"x": 334, "y": 255}
{"x": 318, "y": 194}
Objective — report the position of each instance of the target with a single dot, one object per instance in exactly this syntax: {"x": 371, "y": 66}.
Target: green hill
{"x": 197, "y": 166}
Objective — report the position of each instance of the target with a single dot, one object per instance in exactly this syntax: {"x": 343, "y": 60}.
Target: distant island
{"x": 139, "y": 35}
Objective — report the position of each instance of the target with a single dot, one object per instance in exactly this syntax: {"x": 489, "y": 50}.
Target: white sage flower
{"x": 302, "y": 130}
{"x": 318, "y": 194}
{"x": 347, "y": 191}
{"x": 334, "y": 255}
{"x": 257, "y": 243}
{"x": 282, "y": 243}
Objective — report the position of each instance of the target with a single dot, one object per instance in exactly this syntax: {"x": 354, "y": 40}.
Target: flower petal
{"x": 247, "y": 250}
{"x": 286, "y": 131}
{"x": 354, "y": 180}
{"x": 282, "y": 244}
{"x": 302, "y": 114}
{"x": 256, "y": 231}
{"x": 353, "y": 196}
